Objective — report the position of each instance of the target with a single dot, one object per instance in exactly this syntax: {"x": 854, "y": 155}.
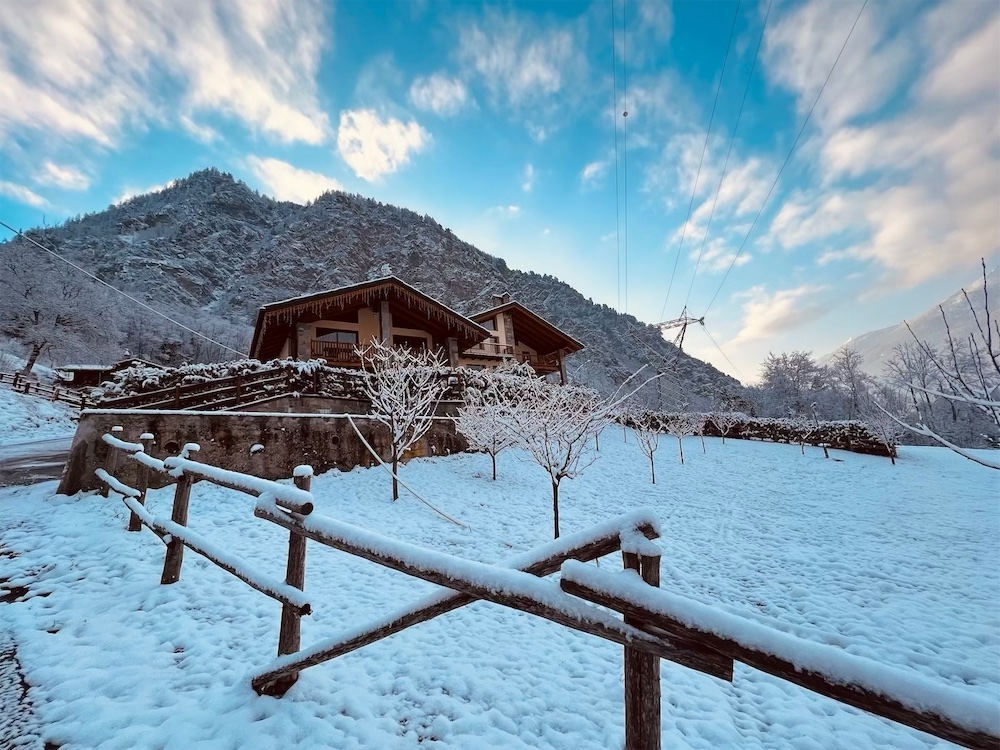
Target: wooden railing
{"x": 335, "y": 352}
{"x": 656, "y": 625}
{"x": 541, "y": 363}
{"x": 210, "y": 395}
{"x": 17, "y": 382}
{"x": 490, "y": 349}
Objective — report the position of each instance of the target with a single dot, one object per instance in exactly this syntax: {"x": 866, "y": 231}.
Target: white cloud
{"x": 592, "y": 173}
{"x": 914, "y": 193}
{"x": 69, "y": 178}
{"x": 22, "y": 194}
{"x": 519, "y": 62}
{"x": 289, "y": 183}
{"x": 374, "y": 147}
{"x": 439, "y": 94}
{"x": 766, "y": 315}
{"x": 505, "y": 212}
{"x": 91, "y": 71}
{"x": 528, "y": 179}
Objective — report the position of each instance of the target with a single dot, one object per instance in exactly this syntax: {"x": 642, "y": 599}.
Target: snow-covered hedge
{"x": 303, "y": 376}
{"x": 849, "y": 435}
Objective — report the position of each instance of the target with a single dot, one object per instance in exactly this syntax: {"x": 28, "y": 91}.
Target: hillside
{"x": 210, "y": 250}
{"x": 877, "y": 346}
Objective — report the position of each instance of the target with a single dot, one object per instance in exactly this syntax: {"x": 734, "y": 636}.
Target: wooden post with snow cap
{"x": 111, "y": 465}
{"x": 642, "y": 670}
{"x": 142, "y": 482}
{"x": 289, "y": 637}
{"x": 179, "y": 515}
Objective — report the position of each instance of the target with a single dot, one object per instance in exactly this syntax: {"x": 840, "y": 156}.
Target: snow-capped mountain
{"x": 209, "y": 250}
{"x": 877, "y": 346}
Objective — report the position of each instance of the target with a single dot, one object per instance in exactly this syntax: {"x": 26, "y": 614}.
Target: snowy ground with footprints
{"x": 897, "y": 563}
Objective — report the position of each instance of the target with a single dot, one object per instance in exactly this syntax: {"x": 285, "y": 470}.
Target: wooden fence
{"x": 17, "y": 382}
{"x": 652, "y": 628}
{"x": 210, "y": 395}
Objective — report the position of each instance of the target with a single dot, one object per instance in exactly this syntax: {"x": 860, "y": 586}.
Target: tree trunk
{"x": 597, "y": 442}
{"x": 680, "y": 447}
{"x": 395, "y": 481}
{"x": 494, "y": 457}
{"x": 555, "y": 508}
{"x": 652, "y": 469}
{"x": 703, "y": 444}
{"x": 36, "y": 350}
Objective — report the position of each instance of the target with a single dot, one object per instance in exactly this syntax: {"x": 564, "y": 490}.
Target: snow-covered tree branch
{"x": 404, "y": 388}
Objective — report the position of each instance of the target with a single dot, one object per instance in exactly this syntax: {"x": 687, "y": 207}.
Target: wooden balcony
{"x": 335, "y": 353}
{"x": 543, "y": 364}
{"x": 489, "y": 349}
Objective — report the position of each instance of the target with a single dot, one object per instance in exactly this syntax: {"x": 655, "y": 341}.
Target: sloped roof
{"x": 274, "y": 318}
{"x": 532, "y": 329}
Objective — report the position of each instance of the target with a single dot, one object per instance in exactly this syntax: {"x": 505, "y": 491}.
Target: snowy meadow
{"x": 897, "y": 563}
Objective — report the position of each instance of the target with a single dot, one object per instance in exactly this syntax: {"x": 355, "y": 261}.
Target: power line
{"x": 625, "y": 139}
{"x": 694, "y": 190}
{"x": 731, "y": 364}
{"x": 614, "y": 122}
{"x": 117, "y": 290}
{"x": 725, "y": 166}
{"x": 788, "y": 157}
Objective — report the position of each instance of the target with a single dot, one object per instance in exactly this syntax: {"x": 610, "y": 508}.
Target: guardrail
{"x": 209, "y": 395}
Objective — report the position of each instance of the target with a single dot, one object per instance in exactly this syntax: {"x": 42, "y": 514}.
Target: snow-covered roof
{"x": 531, "y": 327}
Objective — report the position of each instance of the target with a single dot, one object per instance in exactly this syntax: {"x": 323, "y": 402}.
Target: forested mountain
{"x": 208, "y": 251}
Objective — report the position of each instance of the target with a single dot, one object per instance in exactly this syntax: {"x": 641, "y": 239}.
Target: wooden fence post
{"x": 642, "y": 672}
{"x": 111, "y": 466}
{"x": 179, "y": 515}
{"x": 289, "y": 637}
{"x": 177, "y": 396}
{"x": 142, "y": 483}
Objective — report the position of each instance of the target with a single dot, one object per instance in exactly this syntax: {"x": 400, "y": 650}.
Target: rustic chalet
{"x": 516, "y": 332}
{"x": 330, "y": 325}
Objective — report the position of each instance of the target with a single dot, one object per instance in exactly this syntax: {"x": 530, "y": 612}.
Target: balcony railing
{"x": 540, "y": 362}
{"x": 490, "y": 349}
{"x": 335, "y": 352}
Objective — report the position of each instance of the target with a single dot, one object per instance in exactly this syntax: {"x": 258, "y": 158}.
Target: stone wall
{"x": 325, "y": 441}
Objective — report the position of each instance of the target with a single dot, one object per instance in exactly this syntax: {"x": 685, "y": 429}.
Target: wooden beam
{"x": 569, "y": 548}
{"x": 852, "y": 695}
{"x": 642, "y": 671}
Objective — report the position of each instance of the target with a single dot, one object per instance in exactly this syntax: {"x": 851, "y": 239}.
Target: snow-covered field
{"x": 24, "y": 418}
{"x": 897, "y": 563}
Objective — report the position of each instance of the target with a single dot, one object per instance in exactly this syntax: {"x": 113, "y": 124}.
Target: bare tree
{"x": 490, "y": 399}
{"x": 724, "y": 421}
{"x": 647, "y": 434}
{"x": 404, "y": 388}
{"x": 682, "y": 426}
{"x": 969, "y": 372}
{"x": 555, "y": 425}
{"x": 849, "y": 378}
{"x": 882, "y": 415}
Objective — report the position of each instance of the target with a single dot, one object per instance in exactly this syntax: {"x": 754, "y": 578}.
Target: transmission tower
{"x": 682, "y": 322}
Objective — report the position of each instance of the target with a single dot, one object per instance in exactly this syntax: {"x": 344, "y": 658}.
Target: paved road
{"x": 36, "y": 461}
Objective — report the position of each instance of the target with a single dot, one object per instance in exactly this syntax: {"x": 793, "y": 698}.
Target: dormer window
{"x": 489, "y": 325}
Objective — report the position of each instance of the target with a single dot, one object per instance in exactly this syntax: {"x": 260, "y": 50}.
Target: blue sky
{"x": 500, "y": 121}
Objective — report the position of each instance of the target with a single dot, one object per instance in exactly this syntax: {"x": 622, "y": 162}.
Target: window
{"x": 416, "y": 343}
{"x": 332, "y": 335}
{"x": 489, "y": 325}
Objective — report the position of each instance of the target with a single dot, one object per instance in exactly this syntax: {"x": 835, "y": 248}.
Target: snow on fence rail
{"x": 656, "y": 624}
{"x": 17, "y": 382}
{"x": 175, "y": 534}
{"x": 903, "y": 696}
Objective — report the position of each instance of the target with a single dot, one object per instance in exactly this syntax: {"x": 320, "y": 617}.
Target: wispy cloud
{"x": 505, "y": 212}
{"x": 592, "y": 173}
{"x": 66, "y": 177}
{"x": 912, "y": 192}
{"x": 528, "y": 178}
{"x": 373, "y": 146}
{"x": 439, "y": 94}
{"x": 22, "y": 194}
{"x": 88, "y": 72}
{"x": 768, "y": 314}
{"x": 289, "y": 183}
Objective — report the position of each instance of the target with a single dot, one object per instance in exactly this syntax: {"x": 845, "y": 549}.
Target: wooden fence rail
{"x": 218, "y": 393}
{"x": 175, "y": 534}
{"x": 17, "y": 382}
{"x": 656, "y": 624}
